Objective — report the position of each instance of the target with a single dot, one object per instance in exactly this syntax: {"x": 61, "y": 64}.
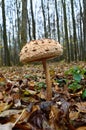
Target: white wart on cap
{"x": 36, "y": 50}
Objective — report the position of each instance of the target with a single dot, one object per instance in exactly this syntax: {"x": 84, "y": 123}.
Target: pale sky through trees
{"x": 11, "y": 14}
{"x": 61, "y": 20}
{"x": 36, "y": 8}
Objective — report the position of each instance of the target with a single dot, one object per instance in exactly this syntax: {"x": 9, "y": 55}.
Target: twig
{"x": 19, "y": 117}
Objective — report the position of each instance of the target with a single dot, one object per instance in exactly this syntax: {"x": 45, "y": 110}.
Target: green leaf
{"x": 61, "y": 82}
{"x": 84, "y": 72}
{"x": 33, "y": 77}
{"x": 40, "y": 85}
{"x": 84, "y": 94}
{"x": 27, "y": 76}
{"x": 74, "y": 86}
{"x": 77, "y": 77}
{"x": 76, "y": 73}
{"x": 73, "y": 70}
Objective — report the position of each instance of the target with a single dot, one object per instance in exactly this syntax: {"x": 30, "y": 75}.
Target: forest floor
{"x": 23, "y": 104}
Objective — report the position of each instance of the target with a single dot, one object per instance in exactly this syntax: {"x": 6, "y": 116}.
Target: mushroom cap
{"x": 37, "y": 50}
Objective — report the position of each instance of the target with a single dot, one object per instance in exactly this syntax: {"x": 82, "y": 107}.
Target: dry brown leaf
{"x": 3, "y": 106}
{"x": 81, "y": 128}
{"x": 73, "y": 115}
{"x": 81, "y": 107}
{"x": 10, "y": 112}
{"x": 7, "y": 126}
{"x": 1, "y": 96}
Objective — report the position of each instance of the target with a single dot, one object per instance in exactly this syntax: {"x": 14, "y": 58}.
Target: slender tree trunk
{"x": 53, "y": 27}
{"x": 44, "y": 18}
{"x": 29, "y": 28}
{"x": 33, "y": 21}
{"x": 71, "y": 48}
{"x": 84, "y": 27}
{"x": 24, "y": 23}
{"x": 81, "y": 41}
{"x": 49, "y": 28}
{"x": 18, "y": 24}
{"x": 74, "y": 31}
{"x": 1, "y": 46}
{"x": 66, "y": 30}
{"x": 70, "y": 37}
{"x": 6, "y": 50}
{"x": 15, "y": 55}
{"x": 57, "y": 18}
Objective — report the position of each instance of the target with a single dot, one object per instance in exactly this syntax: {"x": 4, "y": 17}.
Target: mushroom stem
{"x": 48, "y": 81}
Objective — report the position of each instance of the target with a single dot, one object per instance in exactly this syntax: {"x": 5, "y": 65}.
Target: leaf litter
{"x": 23, "y": 104}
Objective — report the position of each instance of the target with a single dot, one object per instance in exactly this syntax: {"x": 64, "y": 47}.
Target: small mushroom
{"x": 44, "y": 49}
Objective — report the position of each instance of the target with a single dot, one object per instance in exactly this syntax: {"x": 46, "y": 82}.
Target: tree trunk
{"x": 84, "y": 27}
{"x": 81, "y": 41}
{"x": 74, "y": 32}
{"x": 1, "y": 46}
{"x": 49, "y": 28}
{"x": 33, "y": 21}
{"x": 29, "y": 28}
{"x": 57, "y": 19}
{"x": 6, "y": 50}
{"x": 44, "y": 18}
{"x": 24, "y": 23}
{"x": 66, "y": 30}
{"x": 18, "y": 24}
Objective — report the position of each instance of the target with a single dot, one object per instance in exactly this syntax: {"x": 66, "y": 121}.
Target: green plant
{"x": 75, "y": 72}
{"x": 32, "y": 77}
{"x": 74, "y": 87}
{"x": 40, "y": 85}
{"x": 84, "y": 72}
{"x": 83, "y": 94}
{"x": 61, "y": 82}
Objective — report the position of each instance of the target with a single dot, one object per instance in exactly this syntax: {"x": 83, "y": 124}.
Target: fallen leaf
{"x": 81, "y": 128}
{"x": 10, "y": 112}
{"x": 4, "y": 106}
{"x": 81, "y": 107}
{"x": 7, "y": 126}
{"x": 1, "y": 96}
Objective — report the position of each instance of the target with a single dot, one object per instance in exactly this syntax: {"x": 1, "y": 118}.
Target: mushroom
{"x": 41, "y": 50}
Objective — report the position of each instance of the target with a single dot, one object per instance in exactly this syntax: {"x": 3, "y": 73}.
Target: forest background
{"x": 25, "y": 20}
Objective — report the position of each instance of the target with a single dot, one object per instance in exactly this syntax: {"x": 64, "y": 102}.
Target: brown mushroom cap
{"x": 37, "y": 50}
